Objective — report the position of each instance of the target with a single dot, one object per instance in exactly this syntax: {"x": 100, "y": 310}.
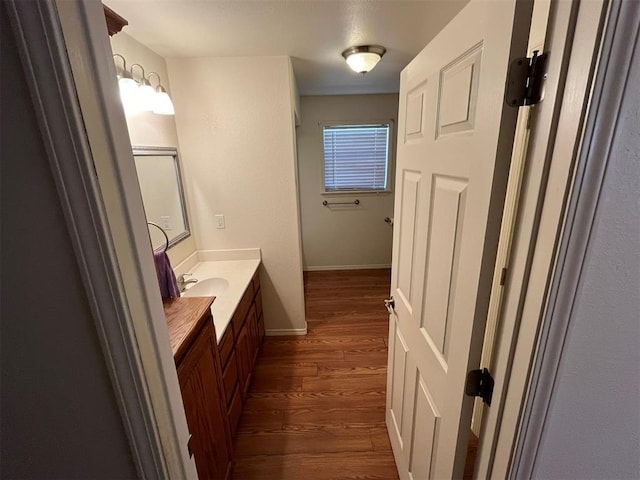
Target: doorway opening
{"x": 316, "y": 406}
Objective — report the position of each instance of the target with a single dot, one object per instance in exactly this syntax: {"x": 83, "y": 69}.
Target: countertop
{"x": 184, "y": 316}
{"x": 239, "y": 274}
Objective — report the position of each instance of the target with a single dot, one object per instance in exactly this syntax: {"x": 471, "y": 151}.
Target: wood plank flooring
{"x": 315, "y": 409}
{"x": 316, "y": 406}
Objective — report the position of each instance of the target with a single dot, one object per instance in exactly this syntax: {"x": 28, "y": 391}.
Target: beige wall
{"x": 342, "y": 237}
{"x": 61, "y": 414}
{"x": 236, "y": 126}
{"x": 151, "y": 130}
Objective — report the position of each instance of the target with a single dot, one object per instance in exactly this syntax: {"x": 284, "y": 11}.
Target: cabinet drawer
{"x": 261, "y": 330}
{"x": 258, "y": 305}
{"x": 241, "y": 312}
{"x": 230, "y": 378}
{"x": 226, "y": 346}
{"x": 244, "y": 358}
{"x": 235, "y": 411}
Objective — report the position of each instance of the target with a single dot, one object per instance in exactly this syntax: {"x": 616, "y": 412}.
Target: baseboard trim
{"x": 279, "y": 332}
{"x": 320, "y": 268}
{"x": 187, "y": 264}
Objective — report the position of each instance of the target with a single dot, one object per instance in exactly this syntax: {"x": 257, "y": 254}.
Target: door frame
{"x": 65, "y": 52}
{"x": 575, "y": 30}
{"x": 609, "y": 89}
{"x": 138, "y": 352}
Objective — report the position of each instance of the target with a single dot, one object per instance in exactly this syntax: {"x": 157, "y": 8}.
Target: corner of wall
{"x": 295, "y": 94}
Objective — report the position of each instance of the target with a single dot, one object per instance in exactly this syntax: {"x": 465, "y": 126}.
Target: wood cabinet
{"x": 193, "y": 340}
{"x": 115, "y": 22}
{"x": 214, "y": 377}
{"x": 239, "y": 349}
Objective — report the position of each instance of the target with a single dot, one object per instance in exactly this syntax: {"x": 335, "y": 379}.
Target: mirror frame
{"x": 146, "y": 151}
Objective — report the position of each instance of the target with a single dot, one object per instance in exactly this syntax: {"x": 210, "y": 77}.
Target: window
{"x": 356, "y": 158}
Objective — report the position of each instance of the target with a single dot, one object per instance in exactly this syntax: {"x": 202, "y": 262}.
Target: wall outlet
{"x": 166, "y": 222}
{"x": 219, "y": 221}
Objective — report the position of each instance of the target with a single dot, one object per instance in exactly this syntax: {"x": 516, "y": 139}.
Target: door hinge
{"x": 525, "y": 80}
{"x": 480, "y": 384}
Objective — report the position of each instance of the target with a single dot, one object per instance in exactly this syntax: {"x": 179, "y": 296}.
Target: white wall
{"x": 236, "y": 126}
{"x": 593, "y": 427}
{"x": 151, "y": 130}
{"x": 342, "y": 237}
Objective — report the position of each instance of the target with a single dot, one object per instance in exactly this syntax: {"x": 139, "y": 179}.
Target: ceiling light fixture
{"x": 363, "y": 58}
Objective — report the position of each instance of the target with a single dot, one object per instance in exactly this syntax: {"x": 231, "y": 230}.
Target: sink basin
{"x": 208, "y": 287}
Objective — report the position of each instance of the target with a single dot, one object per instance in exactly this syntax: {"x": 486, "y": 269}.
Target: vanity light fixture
{"x": 162, "y": 102}
{"x": 146, "y": 94}
{"x": 127, "y": 85}
{"x": 139, "y": 95}
{"x": 363, "y": 58}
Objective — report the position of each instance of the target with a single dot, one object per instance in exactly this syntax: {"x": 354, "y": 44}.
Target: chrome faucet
{"x": 183, "y": 281}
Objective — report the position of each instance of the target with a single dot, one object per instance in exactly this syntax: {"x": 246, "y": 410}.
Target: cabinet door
{"x": 259, "y": 316}
{"x": 205, "y": 407}
{"x": 243, "y": 355}
{"x": 252, "y": 332}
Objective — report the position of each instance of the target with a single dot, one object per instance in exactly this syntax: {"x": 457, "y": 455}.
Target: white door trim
{"x": 621, "y": 38}
{"x": 573, "y": 36}
{"x": 84, "y": 131}
{"x": 61, "y": 126}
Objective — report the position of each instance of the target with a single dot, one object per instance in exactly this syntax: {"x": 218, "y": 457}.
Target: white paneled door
{"x": 454, "y": 145}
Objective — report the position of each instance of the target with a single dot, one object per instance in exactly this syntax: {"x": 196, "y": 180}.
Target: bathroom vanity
{"x": 239, "y": 348}
{"x": 215, "y": 369}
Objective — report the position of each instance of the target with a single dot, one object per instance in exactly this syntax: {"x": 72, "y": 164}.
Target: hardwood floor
{"x": 316, "y": 405}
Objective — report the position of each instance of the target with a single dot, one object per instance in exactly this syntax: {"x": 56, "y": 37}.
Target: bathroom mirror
{"x": 160, "y": 182}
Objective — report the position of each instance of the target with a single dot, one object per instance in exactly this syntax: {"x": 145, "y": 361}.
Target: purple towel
{"x": 166, "y": 277}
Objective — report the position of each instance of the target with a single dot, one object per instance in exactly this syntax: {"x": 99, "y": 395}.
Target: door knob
{"x": 390, "y": 303}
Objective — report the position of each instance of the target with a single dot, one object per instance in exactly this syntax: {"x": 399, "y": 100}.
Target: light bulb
{"x": 363, "y": 62}
{"x": 129, "y": 95}
{"x": 146, "y": 97}
{"x": 163, "y": 104}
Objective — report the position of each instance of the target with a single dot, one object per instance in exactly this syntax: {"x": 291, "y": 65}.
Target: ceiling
{"x": 312, "y": 32}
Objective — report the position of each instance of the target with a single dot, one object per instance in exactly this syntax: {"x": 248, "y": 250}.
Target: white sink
{"x": 208, "y": 287}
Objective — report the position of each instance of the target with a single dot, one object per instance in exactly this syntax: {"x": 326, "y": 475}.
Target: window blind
{"x": 356, "y": 157}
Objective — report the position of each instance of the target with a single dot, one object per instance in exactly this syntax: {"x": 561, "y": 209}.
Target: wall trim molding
{"x": 187, "y": 264}
{"x": 620, "y": 41}
{"x": 229, "y": 254}
{"x": 322, "y": 268}
{"x": 279, "y": 332}
{"x": 43, "y": 52}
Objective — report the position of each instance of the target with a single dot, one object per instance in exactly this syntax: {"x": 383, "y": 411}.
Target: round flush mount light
{"x": 363, "y": 58}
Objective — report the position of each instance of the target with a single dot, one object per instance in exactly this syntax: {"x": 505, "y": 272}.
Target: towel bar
{"x": 328, "y": 204}
{"x": 166, "y": 237}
